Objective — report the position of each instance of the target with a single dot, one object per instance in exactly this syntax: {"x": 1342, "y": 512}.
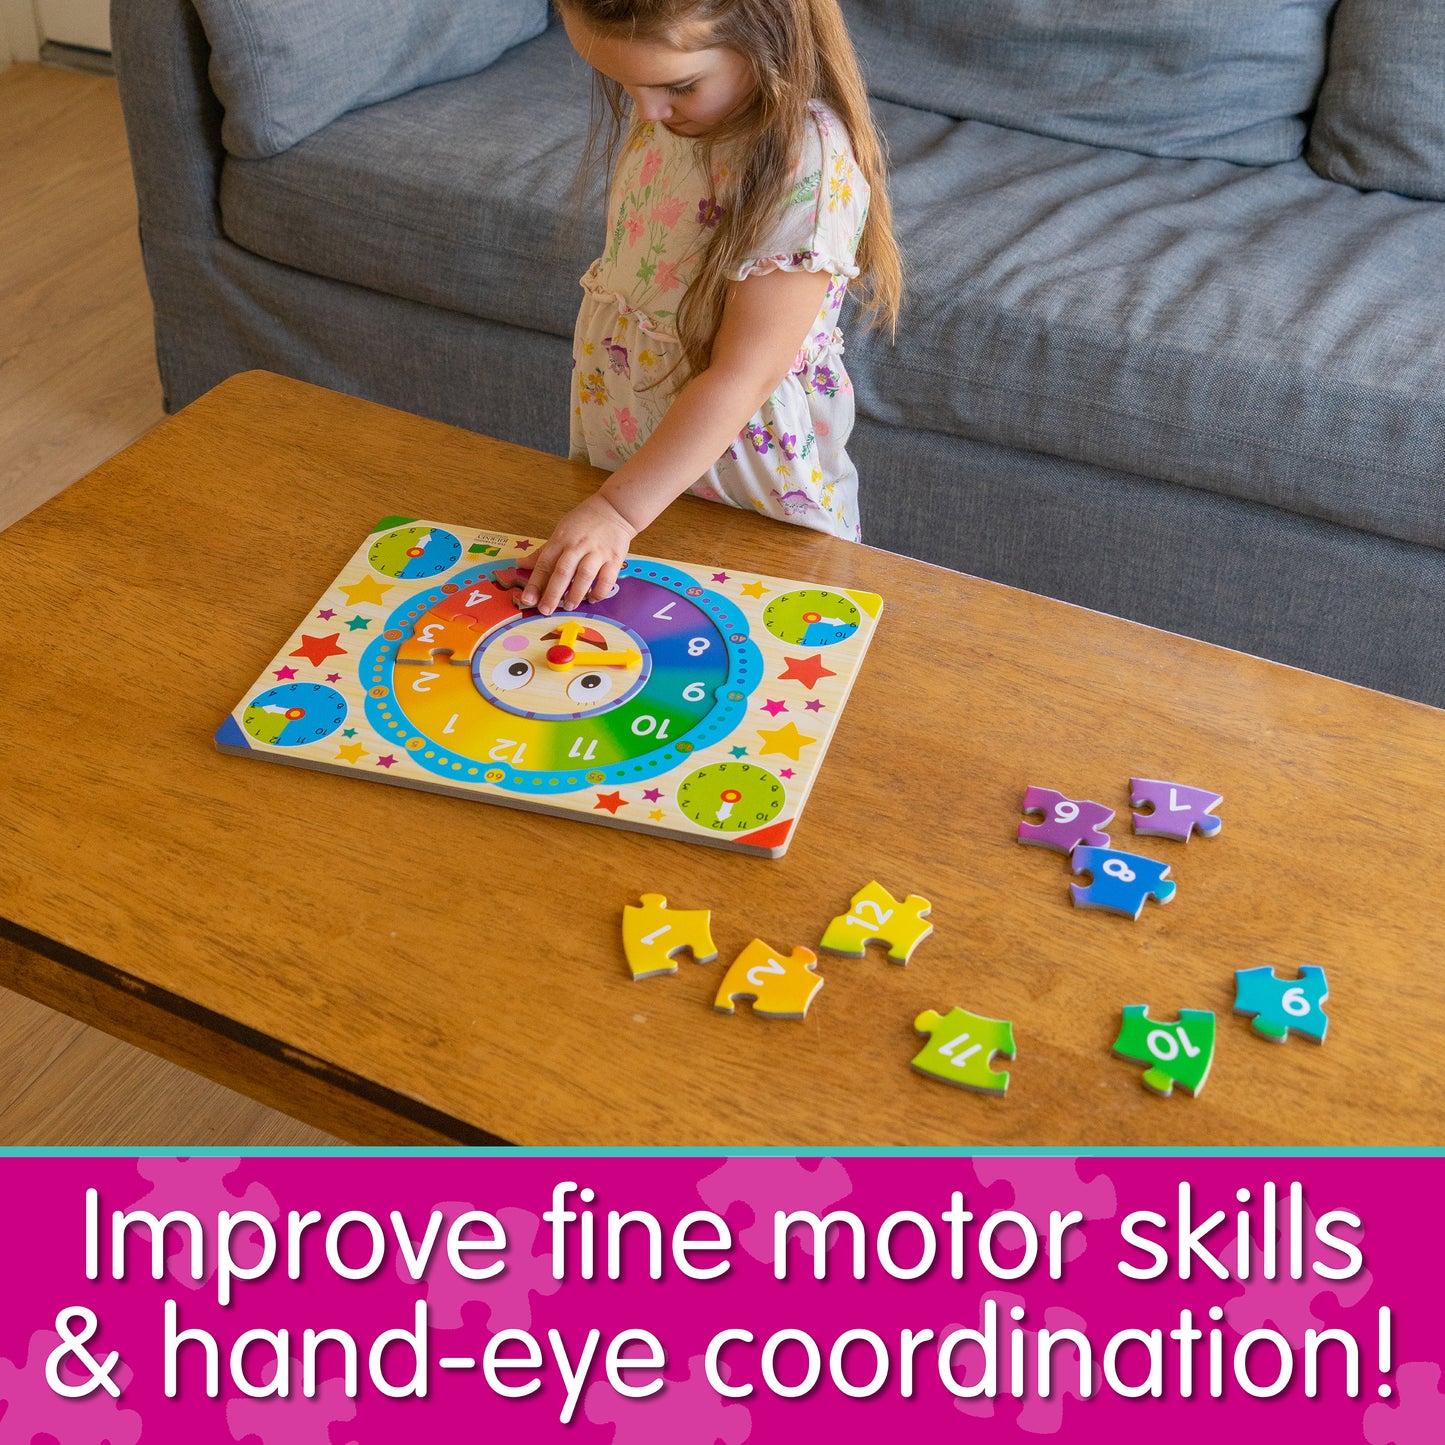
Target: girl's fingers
{"x": 606, "y": 579}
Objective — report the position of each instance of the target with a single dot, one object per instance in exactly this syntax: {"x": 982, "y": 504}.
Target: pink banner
{"x": 763, "y": 1299}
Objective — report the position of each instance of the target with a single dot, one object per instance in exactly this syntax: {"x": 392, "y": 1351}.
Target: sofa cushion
{"x": 285, "y": 68}
{"x": 1380, "y": 124}
{"x": 1261, "y": 333}
{"x": 1222, "y": 78}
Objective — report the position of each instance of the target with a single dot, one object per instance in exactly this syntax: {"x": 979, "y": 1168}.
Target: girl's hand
{"x": 583, "y": 555}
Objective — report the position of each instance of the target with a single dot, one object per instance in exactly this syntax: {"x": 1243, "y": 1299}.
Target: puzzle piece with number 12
{"x": 876, "y": 916}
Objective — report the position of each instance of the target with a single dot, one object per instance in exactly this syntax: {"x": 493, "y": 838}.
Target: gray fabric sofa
{"x": 1174, "y": 346}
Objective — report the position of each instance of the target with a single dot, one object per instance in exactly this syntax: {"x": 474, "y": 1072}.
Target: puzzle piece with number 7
{"x": 1283, "y": 1005}
{"x": 1121, "y": 882}
{"x": 876, "y": 916}
{"x": 1177, "y": 1053}
{"x": 780, "y": 987}
{"x": 653, "y": 934}
{"x": 961, "y": 1048}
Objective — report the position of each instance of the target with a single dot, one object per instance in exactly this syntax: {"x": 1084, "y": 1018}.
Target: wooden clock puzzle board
{"x": 331, "y": 948}
{"x": 694, "y": 702}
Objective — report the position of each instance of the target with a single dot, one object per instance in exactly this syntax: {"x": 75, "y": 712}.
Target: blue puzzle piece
{"x": 1282, "y": 1005}
{"x": 1121, "y": 881}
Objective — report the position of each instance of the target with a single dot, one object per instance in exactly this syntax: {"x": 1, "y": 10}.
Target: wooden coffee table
{"x": 400, "y": 967}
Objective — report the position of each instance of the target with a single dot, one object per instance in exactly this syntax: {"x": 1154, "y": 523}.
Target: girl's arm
{"x": 765, "y": 322}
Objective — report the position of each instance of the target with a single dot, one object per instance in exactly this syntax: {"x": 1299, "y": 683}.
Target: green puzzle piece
{"x": 1177, "y": 1053}
{"x": 962, "y": 1047}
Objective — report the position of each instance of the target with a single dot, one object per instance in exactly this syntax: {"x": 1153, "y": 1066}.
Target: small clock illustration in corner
{"x": 731, "y": 797}
{"x": 812, "y": 617}
{"x": 294, "y": 714}
{"x": 409, "y": 553}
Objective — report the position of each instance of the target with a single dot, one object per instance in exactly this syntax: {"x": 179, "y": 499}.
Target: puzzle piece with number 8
{"x": 961, "y": 1048}
{"x": 1068, "y": 822}
{"x": 1122, "y": 882}
{"x": 1282, "y": 1006}
{"x": 653, "y": 934}
{"x": 780, "y": 987}
{"x": 1175, "y": 811}
{"x": 1177, "y": 1053}
{"x": 876, "y": 916}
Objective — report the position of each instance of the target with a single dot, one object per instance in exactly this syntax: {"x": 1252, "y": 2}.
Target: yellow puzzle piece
{"x": 654, "y": 933}
{"x": 876, "y": 916}
{"x": 780, "y": 988}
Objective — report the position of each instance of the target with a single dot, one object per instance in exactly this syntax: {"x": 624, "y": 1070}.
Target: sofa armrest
{"x": 172, "y": 116}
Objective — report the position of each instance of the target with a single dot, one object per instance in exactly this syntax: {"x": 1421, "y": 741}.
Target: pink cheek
{"x": 515, "y": 643}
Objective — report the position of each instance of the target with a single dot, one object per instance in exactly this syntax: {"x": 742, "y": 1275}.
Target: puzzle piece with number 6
{"x": 1283, "y": 1005}
{"x": 1122, "y": 882}
{"x": 1178, "y": 1052}
{"x": 961, "y": 1048}
{"x": 876, "y": 916}
{"x": 654, "y": 934}
{"x": 1174, "y": 811}
{"x": 1068, "y": 822}
{"x": 780, "y": 987}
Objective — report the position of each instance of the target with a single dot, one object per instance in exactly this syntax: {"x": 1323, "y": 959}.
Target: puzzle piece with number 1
{"x": 780, "y": 987}
{"x": 653, "y": 934}
{"x": 961, "y": 1048}
{"x": 876, "y": 916}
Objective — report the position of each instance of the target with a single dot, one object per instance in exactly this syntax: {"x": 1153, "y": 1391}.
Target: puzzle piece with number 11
{"x": 780, "y": 987}
{"x": 876, "y": 916}
{"x": 1177, "y": 1053}
{"x": 654, "y": 934}
{"x": 962, "y": 1047}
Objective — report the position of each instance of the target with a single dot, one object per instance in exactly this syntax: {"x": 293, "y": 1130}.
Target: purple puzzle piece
{"x": 1175, "y": 809}
{"x": 1068, "y": 822}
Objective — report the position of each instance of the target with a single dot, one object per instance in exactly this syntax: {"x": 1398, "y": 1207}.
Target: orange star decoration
{"x": 786, "y": 740}
{"x": 317, "y": 649}
{"x": 611, "y": 801}
{"x": 367, "y": 590}
{"x": 806, "y": 670}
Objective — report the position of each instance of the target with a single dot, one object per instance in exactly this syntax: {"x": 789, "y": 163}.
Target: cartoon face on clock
{"x": 546, "y": 667}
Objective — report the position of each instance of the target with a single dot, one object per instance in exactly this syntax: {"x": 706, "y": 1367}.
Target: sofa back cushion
{"x": 285, "y": 68}
{"x": 1227, "y": 79}
{"x": 1381, "y": 118}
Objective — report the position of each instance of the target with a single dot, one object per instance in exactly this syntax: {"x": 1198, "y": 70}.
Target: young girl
{"x": 748, "y": 193}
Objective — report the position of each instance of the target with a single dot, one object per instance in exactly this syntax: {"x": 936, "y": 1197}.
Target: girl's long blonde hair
{"x": 799, "y": 50}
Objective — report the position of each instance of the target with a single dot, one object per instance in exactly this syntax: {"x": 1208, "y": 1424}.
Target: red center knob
{"x": 561, "y": 654}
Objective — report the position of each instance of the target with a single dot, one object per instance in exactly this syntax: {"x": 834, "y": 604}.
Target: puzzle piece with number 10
{"x": 1177, "y": 1053}
{"x": 962, "y": 1047}
{"x": 780, "y": 988}
{"x": 654, "y": 933}
{"x": 876, "y": 916}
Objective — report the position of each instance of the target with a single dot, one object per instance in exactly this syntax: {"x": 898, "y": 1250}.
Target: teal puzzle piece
{"x": 1177, "y": 1053}
{"x": 1282, "y": 1006}
{"x": 961, "y": 1048}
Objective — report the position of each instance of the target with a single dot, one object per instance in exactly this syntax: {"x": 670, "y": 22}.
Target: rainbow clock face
{"x": 618, "y": 691}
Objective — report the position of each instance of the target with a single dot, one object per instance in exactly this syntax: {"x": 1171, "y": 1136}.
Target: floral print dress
{"x": 790, "y": 461}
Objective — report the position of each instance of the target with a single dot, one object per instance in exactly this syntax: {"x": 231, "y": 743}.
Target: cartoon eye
{"x": 589, "y": 687}
{"x": 508, "y": 676}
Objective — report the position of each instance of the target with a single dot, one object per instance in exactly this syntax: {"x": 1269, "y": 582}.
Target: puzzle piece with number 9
{"x": 1068, "y": 822}
{"x": 780, "y": 988}
{"x": 1177, "y": 1053}
{"x": 961, "y": 1048}
{"x": 1283, "y": 1005}
{"x": 1122, "y": 882}
{"x": 876, "y": 916}
{"x": 653, "y": 934}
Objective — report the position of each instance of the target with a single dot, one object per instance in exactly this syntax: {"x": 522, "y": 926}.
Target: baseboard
{"x": 77, "y": 57}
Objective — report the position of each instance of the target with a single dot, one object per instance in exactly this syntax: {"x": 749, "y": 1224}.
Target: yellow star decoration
{"x": 657, "y": 815}
{"x": 367, "y": 590}
{"x": 350, "y": 752}
{"x": 786, "y": 740}
{"x": 754, "y": 589}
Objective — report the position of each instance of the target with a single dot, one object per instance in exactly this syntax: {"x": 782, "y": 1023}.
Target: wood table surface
{"x": 405, "y": 967}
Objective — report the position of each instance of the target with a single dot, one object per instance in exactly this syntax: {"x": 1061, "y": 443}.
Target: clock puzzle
{"x": 693, "y": 702}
